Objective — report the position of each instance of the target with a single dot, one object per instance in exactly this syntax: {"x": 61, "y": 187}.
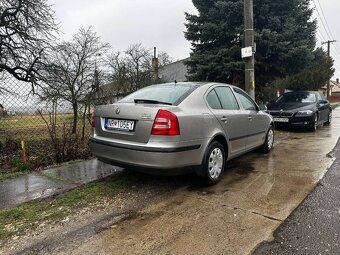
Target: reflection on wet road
{"x": 34, "y": 186}
{"x": 256, "y": 194}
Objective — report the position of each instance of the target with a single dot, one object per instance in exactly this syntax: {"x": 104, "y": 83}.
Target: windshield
{"x": 297, "y": 97}
{"x": 163, "y": 94}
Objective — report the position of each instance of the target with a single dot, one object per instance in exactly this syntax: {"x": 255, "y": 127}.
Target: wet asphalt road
{"x": 177, "y": 216}
{"x": 314, "y": 227}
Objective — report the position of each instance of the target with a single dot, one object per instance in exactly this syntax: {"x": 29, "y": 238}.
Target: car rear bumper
{"x": 155, "y": 157}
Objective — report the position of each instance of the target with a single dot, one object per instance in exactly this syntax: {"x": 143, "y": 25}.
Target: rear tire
{"x": 213, "y": 163}
{"x": 269, "y": 141}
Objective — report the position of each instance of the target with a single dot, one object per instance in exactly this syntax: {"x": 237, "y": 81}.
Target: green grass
{"x": 19, "y": 165}
{"x": 335, "y": 105}
{"x": 68, "y": 163}
{"x": 33, "y": 127}
{"x": 10, "y": 175}
{"x": 53, "y": 177}
{"x": 17, "y": 220}
{"x": 29, "y": 121}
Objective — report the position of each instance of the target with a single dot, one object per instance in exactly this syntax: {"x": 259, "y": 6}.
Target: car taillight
{"x": 92, "y": 119}
{"x": 166, "y": 123}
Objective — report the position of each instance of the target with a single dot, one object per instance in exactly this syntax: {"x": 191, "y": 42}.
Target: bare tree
{"x": 120, "y": 73}
{"x": 71, "y": 73}
{"x": 26, "y": 28}
{"x": 164, "y": 58}
{"x": 131, "y": 70}
{"x": 139, "y": 58}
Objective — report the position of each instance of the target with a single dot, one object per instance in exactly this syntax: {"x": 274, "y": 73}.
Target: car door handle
{"x": 224, "y": 119}
{"x": 250, "y": 118}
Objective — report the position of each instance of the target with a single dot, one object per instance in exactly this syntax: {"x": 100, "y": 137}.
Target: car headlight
{"x": 304, "y": 113}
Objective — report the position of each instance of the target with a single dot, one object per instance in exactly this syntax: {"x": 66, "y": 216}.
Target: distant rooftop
{"x": 174, "y": 71}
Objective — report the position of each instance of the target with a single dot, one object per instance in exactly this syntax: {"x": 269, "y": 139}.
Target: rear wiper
{"x": 148, "y": 101}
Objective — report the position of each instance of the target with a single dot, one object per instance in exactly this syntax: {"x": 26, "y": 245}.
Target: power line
{"x": 336, "y": 49}
{"x": 336, "y": 55}
{"x": 324, "y": 17}
{"x": 322, "y": 37}
{"x": 327, "y": 30}
{"x": 328, "y": 27}
{"x": 321, "y": 20}
{"x": 325, "y": 25}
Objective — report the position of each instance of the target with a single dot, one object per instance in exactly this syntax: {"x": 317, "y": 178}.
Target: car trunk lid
{"x": 127, "y": 121}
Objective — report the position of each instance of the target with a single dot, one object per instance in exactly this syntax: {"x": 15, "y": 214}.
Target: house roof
{"x": 335, "y": 86}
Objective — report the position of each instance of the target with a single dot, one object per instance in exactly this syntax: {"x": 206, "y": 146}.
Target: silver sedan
{"x": 174, "y": 127}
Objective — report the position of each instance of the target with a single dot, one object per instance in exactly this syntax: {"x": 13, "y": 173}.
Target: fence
{"x": 43, "y": 127}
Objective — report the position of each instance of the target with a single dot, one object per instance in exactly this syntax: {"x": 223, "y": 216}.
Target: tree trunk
{"x": 75, "y": 118}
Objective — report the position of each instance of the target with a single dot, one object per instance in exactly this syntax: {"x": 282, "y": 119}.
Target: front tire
{"x": 213, "y": 163}
{"x": 314, "y": 124}
{"x": 269, "y": 141}
{"x": 329, "y": 120}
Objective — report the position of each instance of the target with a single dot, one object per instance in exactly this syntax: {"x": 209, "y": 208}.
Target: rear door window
{"x": 227, "y": 98}
{"x": 213, "y": 100}
{"x": 246, "y": 101}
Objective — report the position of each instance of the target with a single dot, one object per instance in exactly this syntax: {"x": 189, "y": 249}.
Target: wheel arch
{"x": 220, "y": 137}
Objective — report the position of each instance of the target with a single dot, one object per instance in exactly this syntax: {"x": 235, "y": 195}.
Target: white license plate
{"x": 281, "y": 120}
{"x": 127, "y": 125}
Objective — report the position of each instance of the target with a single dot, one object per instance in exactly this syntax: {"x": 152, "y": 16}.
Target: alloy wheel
{"x": 270, "y": 138}
{"x": 215, "y": 164}
{"x": 316, "y": 122}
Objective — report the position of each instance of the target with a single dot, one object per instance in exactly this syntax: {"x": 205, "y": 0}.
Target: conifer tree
{"x": 284, "y": 36}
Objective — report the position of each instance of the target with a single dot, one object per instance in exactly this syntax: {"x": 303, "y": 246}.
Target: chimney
{"x": 154, "y": 75}
{"x": 337, "y": 80}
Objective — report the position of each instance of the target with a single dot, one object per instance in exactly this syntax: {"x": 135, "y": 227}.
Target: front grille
{"x": 275, "y": 114}
{"x": 287, "y": 114}
{"x": 281, "y": 114}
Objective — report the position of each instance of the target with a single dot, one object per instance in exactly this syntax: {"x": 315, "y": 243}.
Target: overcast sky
{"x": 160, "y": 23}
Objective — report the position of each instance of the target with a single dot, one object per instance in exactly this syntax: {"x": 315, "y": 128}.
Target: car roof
{"x": 301, "y": 91}
{"x": 195, "y": 83}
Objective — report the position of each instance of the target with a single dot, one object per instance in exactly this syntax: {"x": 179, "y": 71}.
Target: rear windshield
{"x": 297, "y": 97}
{"x": 166, "y": 93}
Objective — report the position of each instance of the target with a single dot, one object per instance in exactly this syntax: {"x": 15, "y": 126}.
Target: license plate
{"x": 281, "y": 120}
{"x": 126, "y": 125}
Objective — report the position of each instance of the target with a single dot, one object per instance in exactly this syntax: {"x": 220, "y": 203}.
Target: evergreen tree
{"x": 215, "y": 35}
{"x": 284, "y": 36}
{"x": 311, "y": 78}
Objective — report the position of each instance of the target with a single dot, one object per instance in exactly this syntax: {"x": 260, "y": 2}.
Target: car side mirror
{"x": 263, "y": 107}
{"x": 323, "y": 101}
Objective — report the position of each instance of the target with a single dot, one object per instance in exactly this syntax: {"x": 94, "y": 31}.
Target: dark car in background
{"x": 303, "y": 109}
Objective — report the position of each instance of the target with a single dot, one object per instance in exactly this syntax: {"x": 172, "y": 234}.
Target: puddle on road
{"x": 275, "y": 183}
{"x": 84, "y": 172}
{"x": 33, "y": 186}
{"x": 239, "y": 166}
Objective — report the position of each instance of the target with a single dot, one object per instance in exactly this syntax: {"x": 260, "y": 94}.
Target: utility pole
{"x": 329, "y": 55}
{"x": 249, "y": 43}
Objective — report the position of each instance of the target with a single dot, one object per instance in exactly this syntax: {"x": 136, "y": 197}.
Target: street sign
{"x": 247, "y": 52}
